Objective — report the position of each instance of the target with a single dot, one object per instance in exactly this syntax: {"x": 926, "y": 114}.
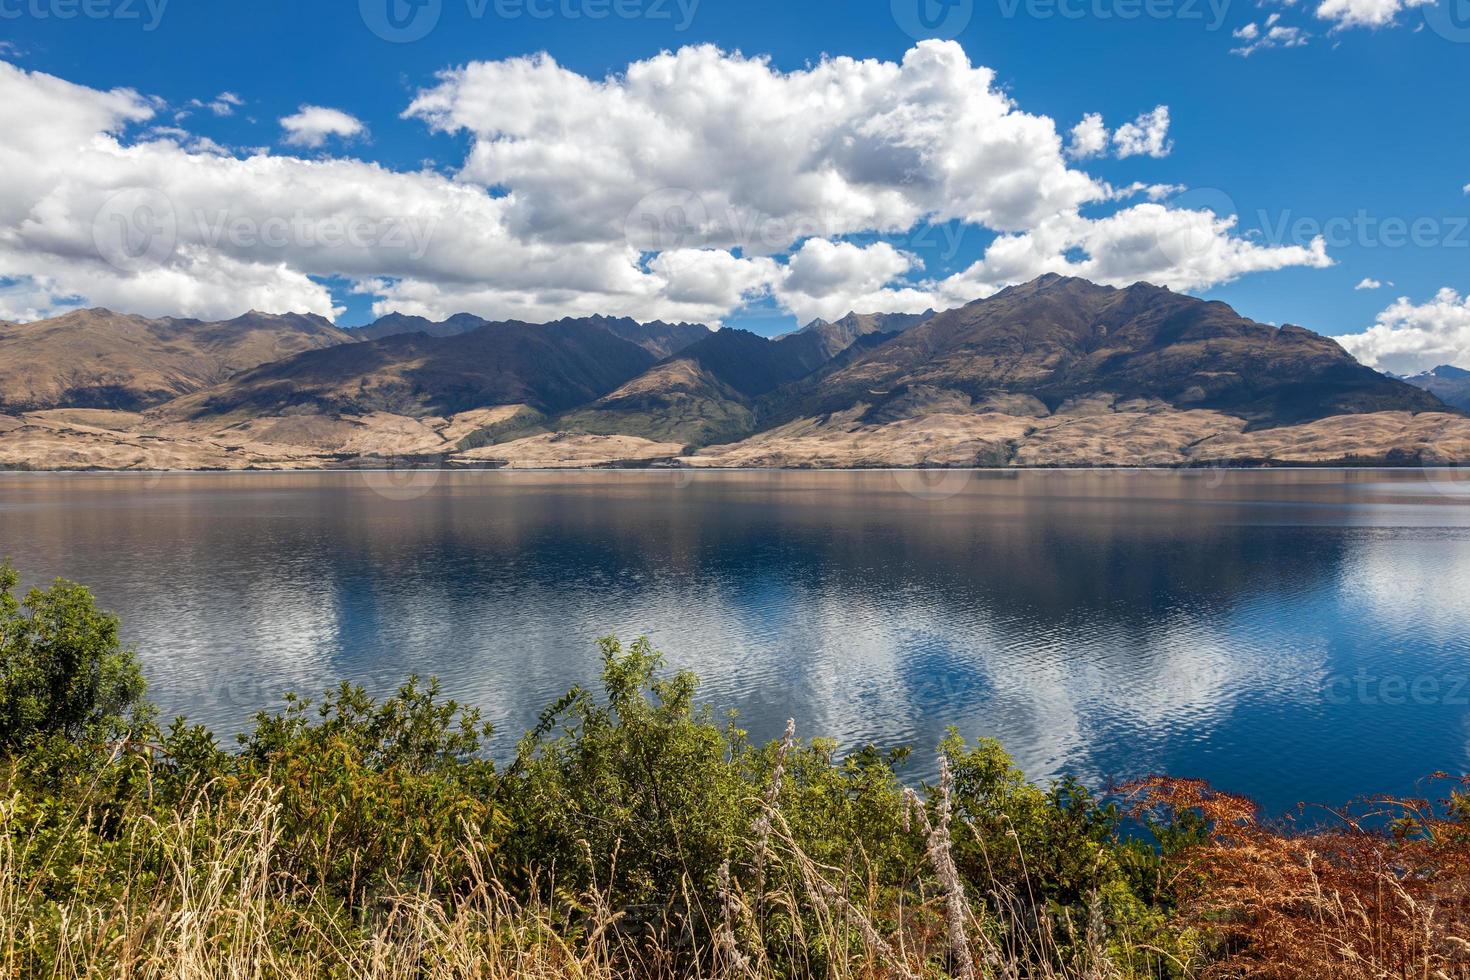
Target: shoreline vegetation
{"x": 636, "y": 834}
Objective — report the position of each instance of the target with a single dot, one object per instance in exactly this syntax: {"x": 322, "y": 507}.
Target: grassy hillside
{"x": 101, "y": 359}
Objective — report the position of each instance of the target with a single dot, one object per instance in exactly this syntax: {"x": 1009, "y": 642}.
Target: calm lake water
{"x": 1299, "y": 635}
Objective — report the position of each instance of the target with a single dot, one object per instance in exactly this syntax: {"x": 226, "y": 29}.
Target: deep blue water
{"x": 1293, "y": 635}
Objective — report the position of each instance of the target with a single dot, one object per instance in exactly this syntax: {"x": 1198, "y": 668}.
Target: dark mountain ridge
{"x": 657, "y": 337}
{"x": 550, "y": 367}
{"x": 839, "y": 335}
{"x": 1058, "y": 339}
{"x": 397, "y": 323}
{"x": 1448, "y": 383}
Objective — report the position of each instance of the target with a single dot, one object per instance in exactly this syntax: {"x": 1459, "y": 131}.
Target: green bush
{"x": 647, "y": 825}
{"x": 63, "y": 672}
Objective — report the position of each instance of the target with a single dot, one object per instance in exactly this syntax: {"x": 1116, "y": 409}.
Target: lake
{"x": 1293, "y": 635}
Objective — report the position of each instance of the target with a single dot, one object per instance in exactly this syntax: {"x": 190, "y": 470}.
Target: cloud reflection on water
{"x": 1102, "y": 624}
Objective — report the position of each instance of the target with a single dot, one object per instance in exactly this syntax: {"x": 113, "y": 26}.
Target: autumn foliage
{"x": 1377, "y": 890}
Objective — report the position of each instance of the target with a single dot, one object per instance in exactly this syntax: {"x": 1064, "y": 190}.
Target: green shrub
{"x": 63, "y": 671}
{"x": 633, "y": 832}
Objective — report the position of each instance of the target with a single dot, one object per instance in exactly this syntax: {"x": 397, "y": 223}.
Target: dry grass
{"x": 206, "y": 896}
{"x": 216, "y": 905}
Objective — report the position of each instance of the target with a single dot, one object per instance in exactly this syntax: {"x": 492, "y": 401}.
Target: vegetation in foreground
{"x": 634, "y": 834}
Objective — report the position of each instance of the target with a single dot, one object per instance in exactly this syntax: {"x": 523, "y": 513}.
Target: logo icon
{"x": 401, "y": 478}
{"x": 921, "y": 19}
{"x": 1446, "y": 475}
{"x": 135, "y": 229}
{"x": 925, "y": 475}
{"x": 1450, "y": 19}
{"x": 401, "y": 21}
{"x": 672, "y": 218}
{"x": 1182, "y": 243}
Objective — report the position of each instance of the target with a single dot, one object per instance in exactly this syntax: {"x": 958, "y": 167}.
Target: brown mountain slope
{"x": 100, "y": 359}
{"x": 838, "y": 335}
{"x": 549, "y": 367}
{"x": 1059, "y": 340}
{"x": 706, "y": 392}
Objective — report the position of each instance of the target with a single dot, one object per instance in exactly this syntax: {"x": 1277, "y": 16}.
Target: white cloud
{"x": 830, "y": 279}
{"x": 1409, "y": 338}
{"x": 1148, "y": 135}
{"x": 1154, "y": 192}
{"x": 313, "y": 124}
{"x": 1181, "y": 249}
{"x": 223, "y": 104}
{"x": 771, "y": 158}
{"x": 1089, "y": 137}
{"x": 1365, "y": 13}
{"x": 1271, "y": 34}
{"x": 581, "y": 196}
{"x": 1369, "y": 283}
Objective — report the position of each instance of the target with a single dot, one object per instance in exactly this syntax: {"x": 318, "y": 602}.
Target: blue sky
{"x": 1356, "y": 134}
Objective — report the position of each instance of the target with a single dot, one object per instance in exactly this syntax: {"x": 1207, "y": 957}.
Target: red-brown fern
{"x": 1379, "y": 890}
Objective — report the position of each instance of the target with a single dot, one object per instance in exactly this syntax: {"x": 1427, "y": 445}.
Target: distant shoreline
{"x": 1039, "y": 468}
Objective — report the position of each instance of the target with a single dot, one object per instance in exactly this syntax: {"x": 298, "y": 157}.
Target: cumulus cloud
{"x": 1369, "y": 283}
{"x": 1174, "y": 247}
{"x": 582, "y": 196}
{"x": 1409, "y": 338}
{"x": 312, "y": 125}
{"x": 1148, "y": 135}
{"x": 1366, "y": 13}
{"x": 842, "y": 147}
{"x": 152, "y": 227}
{"x": 830, "y": 279}
{"x": 1089, "y": 137}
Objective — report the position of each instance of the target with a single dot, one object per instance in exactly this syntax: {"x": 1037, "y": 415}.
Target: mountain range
{"x": 1055, "y": 372}
{"x": 1448, "y": 383}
